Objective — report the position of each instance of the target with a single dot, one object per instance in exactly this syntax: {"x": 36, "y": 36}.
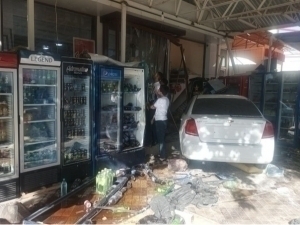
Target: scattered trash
{"x": 177, "y": 165}
{"x": 117, "y": 209}
{"x": 87, "y": 206}
{"x": 295, "y": 221}
{"x": 225, "y": 176}
{"x": 230, "y": 184}
{"x": 151, "y": 219}
{"x": 274, "y": 171}
{"x": 177, "y": 220}
{"x": 195, "y": 172}
{"x": 162, "y": 208}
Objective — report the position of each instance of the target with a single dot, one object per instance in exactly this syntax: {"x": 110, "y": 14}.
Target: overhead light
{"x": 45, "y": 47}
{"x": 59, "y": 44}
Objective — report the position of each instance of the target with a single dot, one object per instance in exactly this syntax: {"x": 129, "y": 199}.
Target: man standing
{"x": 161, "y": 109}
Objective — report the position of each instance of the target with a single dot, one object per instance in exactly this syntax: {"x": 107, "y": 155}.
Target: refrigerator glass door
{"x": 134, "y": 120}
{"x": 271, "y": 97}
{"x": 76, "y": 116}
{"x": 8, "y": 125}
{"x": 288, "y": 106}
{"x": 255, "y": 89}
{"x": 109, "y": 138}
{"x": 39, "y": 117}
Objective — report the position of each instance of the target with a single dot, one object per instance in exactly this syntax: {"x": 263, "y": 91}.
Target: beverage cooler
{"x": 9, "y": 160}
{"x": 39, "y": 112}
{"x": 119, "y": 114}
{"x": 76, "y": 123}
{"x": 276, "y": 95}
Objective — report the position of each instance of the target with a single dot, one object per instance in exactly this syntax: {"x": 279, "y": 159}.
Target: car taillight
{"x": 268, "y": 131}
{"x": 191, "y": 128}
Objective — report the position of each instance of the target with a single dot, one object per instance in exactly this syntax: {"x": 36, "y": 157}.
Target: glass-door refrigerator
{"x": 76, "y": 120}
{"x": 39, "y": 112}
{"x": 120, "y": 116}
{"x": 109, "y": 108}
{"x": 9, "y": 161}
{"x": 288, "y": 108}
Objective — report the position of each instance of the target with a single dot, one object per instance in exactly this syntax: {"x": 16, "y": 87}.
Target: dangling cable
{"x": 56, "y": 44}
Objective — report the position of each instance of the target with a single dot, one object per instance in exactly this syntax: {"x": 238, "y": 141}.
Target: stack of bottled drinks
{"x": 104, "y": 181}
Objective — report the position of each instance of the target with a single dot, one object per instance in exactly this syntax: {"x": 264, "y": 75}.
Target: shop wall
{"x": 193, "y": 53}
{"x": 247, "y": 60}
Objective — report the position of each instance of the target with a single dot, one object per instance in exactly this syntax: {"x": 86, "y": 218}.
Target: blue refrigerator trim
{"x": 105, "y": 72}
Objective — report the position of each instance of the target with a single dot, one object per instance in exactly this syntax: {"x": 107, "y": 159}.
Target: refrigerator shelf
{"x": 134, "y": 92}
{"x": 6, "y": 94}
{"x": 47, "y": 104}
{"x": 39, "y": 85}
{"x": 39, "y": 142}
{"x": 132, "y": 111}
{"x": 5, "y": 117}
{"x": 6, "y": 145}
{"x": 40, "y": 121}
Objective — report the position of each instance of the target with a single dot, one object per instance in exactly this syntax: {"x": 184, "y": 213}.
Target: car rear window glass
{"x": 225, "y": 106}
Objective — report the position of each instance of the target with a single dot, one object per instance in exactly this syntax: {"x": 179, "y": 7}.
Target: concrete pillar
{"x": 123, "y": 32}
{"x": 30, "y": 24}
{"x": 99, "y": 37}
{"x": 228, "y": 44}
{"x": 270, "y": 53}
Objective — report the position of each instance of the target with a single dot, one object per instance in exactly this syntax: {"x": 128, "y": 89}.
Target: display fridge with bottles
{"x": 39, "y": 112}
{"x": 76, "y": 120}
{"x": 119, "y": 115}
{"x": 9, "y": 161}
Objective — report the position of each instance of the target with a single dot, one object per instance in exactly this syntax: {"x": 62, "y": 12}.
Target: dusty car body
{"x": 226, "y": 128}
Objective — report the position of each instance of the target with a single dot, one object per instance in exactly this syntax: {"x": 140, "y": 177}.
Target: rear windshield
{"x": 225, "y": 106}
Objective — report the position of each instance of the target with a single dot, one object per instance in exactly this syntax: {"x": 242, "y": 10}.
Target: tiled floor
{"x": 135, "y": 198}
{"x": 258, "y": 199}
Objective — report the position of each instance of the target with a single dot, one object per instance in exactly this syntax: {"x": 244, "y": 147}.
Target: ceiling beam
{"x": 261, "y": 4}
{"x": 226, "y": 11}
{"x": 247, "y": 23}
{"x": 169, "y": 19}
{"x": 233, "y": 8}
{"x": 262, "y": 10}
{"x": 178, "y": 7}
{"x": 202, "y": 11}
{"x": 290, "y": 18}
{"x": 252, "y": 6}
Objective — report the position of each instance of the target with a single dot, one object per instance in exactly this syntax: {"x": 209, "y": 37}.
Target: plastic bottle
{"x": 63, "y": 188}
{"x": 115, "y": 198}
{"x": 98, "y": 182}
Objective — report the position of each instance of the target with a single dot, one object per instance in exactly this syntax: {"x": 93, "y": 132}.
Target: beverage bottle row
{"x": 36, "y": 95}
{"x": 75, "y": 100}
{"x": 73, "y": 133}
{"x": 109, "y": 86}
{"x": 3, "y": 132}
{"x": 74, "y": 121}
{"x": 104, "y": 181}
{"x": 74, "y": 113}
{"x": 32, "y": 76}
{"x": 76, "y": 154}
{"x": 74, "y": 87}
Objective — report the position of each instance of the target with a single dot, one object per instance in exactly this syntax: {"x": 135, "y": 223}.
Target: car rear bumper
{"x": 193, "y": 149}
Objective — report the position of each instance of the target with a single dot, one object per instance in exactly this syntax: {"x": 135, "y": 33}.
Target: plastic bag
{"x": 274, "y": 171}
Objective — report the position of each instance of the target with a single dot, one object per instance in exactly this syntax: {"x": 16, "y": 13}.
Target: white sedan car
{"x": 226, "y": 128}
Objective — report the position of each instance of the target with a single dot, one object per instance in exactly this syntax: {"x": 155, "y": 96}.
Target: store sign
{"x": 40, "y": 59}
{"x": 110, "y": 74}
{"x": 76, "y": 69}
